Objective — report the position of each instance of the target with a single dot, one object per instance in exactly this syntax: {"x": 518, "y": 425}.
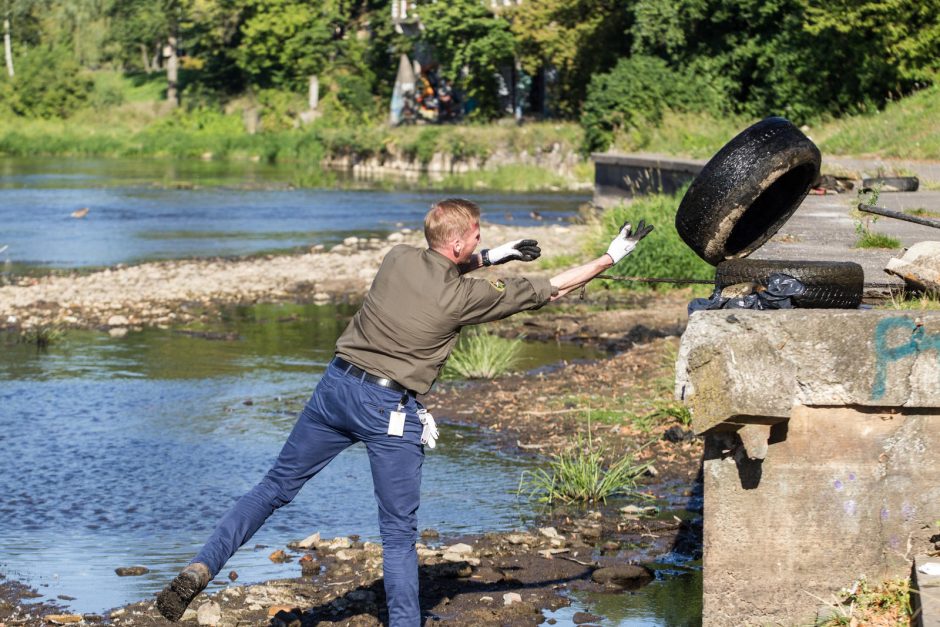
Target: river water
{"x": 125, "y": 451}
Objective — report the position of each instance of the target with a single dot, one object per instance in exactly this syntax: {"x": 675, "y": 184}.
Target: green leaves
{"x": 471, "y": 45}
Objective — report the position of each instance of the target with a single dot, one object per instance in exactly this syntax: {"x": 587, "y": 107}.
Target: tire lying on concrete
{"x": 829, "y": 284}
{"x": 748, "y": 190}
{"x": 891, "y": 184}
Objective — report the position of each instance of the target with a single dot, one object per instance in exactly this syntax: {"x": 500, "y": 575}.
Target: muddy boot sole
{"x": 176, "y": 597}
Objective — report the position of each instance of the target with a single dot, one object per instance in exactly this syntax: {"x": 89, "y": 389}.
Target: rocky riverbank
{"x": 173, "y": 292}
{"x": 506, "y": 578}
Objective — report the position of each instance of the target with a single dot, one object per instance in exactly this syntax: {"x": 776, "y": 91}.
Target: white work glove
{"x": 627, "y": 239}
{"x": 524, "y": 249}
{"x": 429, "y": 434}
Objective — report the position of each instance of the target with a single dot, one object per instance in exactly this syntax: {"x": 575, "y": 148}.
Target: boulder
{"x": 919, "y": 266}
{"x": 625, "y": 576}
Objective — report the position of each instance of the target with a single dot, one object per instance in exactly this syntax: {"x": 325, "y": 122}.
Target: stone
{"x": 520, "y": 538}
{"x": 233, "y": 575}
{"x": 396, "y": 237}
{"x": 361, "y": 596}
{"x": 487, "y": 599}
{"x": 62, "y": 619}
{"x": 625, "y": 576}
{"x": 118, "y": 321}
{"x": 511, "y": 597}
{"x": 275, "y": 609}
{"x": 430, "y": 534}
{"x": 278, "y": 556}
{"x": 308, "y": 565}
{"x": 190, "y": 614}
{"x": 919, "y": 266}
{"x": 351, "y": 241}
{"x": 209, "y": 613}
{"x": 348, "y": 555}
{"x": 131, "y": 571}
{"x": 636, "y": 510}
{"x": 339, "y": 543}
{"x": 580, "y": 618}
{"x": 550, "y": 532}
{"x": 117, "y": 331}
{"x": 310, "y": 542}
{"x": 460, "y": 549}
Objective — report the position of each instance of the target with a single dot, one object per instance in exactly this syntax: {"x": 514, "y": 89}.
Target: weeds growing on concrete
{"x": 866, "y": 237}
{"x": 914, "y": 300}
{"x": 888, "y": 603}
{"x": 580, "y": 475}
{"x": 482, "y": 355}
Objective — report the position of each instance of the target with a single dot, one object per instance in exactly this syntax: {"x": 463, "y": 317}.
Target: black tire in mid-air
{"x": 829, "y": 284}
{"x": 746, "y": 192}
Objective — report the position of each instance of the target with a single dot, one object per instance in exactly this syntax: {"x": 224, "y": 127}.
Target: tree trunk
{"x": 145, "y": 57}
{"x": 172, "y": 72}
{"x": 7, "y": 46}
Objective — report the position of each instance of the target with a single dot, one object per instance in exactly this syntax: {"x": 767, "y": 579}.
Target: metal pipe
{"x": 898, "y": 215}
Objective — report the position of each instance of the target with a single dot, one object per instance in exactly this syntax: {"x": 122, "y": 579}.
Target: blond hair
{"x": 448, "y": 219}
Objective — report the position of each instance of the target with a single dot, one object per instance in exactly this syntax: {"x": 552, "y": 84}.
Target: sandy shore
{"x": 171, "y": 292}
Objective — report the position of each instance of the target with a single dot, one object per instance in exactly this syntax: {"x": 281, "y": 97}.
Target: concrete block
{"x": 752, "y": 367}
{"x": 926, "y": 599}
{"x": 822, "y": 431}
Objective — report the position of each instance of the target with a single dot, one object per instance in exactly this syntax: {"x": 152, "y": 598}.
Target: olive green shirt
{"x": 414, "y": 310}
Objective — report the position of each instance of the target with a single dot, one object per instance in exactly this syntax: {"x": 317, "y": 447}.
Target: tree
{"x": 472, "y": 45}
{"x": 283, "y": 42}
{"x": 577, "y": 38}
{"x": 152, "y": 26}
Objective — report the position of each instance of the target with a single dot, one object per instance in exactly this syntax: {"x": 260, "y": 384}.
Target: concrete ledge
{"x": 621, "y": 176}
{"x": 752, "y": 367}
{"x": 925, "y": 599}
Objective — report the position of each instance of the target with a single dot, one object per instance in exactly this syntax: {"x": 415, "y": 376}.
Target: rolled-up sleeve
{"x": 485, "y": 300}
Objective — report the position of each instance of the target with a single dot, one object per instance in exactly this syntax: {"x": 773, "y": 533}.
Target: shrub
{"x": 661, "y": 254}
{"x": 635, "y": 94}
{"x": 480, "y": 355}
{"x": 49, "y": 83}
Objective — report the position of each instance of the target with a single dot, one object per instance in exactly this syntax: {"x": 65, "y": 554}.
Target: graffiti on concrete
{"x": 917, "y": 340}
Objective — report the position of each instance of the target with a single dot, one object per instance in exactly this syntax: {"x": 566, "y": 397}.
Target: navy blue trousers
{"x": 342, "y": 411}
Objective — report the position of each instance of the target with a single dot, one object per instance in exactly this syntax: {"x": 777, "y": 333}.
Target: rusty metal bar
{"x": 881, "y": 211}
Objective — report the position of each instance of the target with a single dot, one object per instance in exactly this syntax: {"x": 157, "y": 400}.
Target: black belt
{"x": 359, "y": 373}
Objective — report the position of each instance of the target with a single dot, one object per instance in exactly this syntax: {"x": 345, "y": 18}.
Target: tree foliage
{"x": 575, "y": 38}
{"x": 472, "y": 45}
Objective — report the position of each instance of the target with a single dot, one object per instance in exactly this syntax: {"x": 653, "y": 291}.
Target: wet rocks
{"x": 279, "y": 557}
{"x": 623, "y": 576}
{"x": 512, "y": 597}
{"x": 131, "y": 571}
{"x": 581, "y": 618}
{"x": 209, "y": 613}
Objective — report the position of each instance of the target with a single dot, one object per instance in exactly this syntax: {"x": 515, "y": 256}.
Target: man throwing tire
{"x": 392, "y": 350}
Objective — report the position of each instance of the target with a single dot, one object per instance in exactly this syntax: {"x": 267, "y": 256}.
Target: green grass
{"x": 581, "y": 475}
{"x": 695, "y": 135}
{"x": 510, "y": 178}
{"x": 921, "y": 212}
{"x": 876, "y": 240}
{"x": 906, "y": 128}
{"x": 661, "y": 254}
{"x": 914, "y": 301}
{"x": 482, "y": 355}
{"x": 42, "y": 336}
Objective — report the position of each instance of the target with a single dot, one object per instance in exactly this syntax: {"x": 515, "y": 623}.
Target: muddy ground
{"x": 622, "y": 403}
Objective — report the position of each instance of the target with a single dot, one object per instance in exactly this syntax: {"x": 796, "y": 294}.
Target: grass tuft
{"x": 42, "y": 336}
{"x": 581, "y": 476}
{"x": 914, "y": 301}
{"x": 482, "y": 355}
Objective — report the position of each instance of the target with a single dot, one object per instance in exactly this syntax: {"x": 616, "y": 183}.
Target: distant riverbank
{"x": 172, "y": 292}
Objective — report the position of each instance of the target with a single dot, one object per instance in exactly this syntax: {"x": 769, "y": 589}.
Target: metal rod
{"x": 641, "y": 279}
{"x": 898, "y": 215}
